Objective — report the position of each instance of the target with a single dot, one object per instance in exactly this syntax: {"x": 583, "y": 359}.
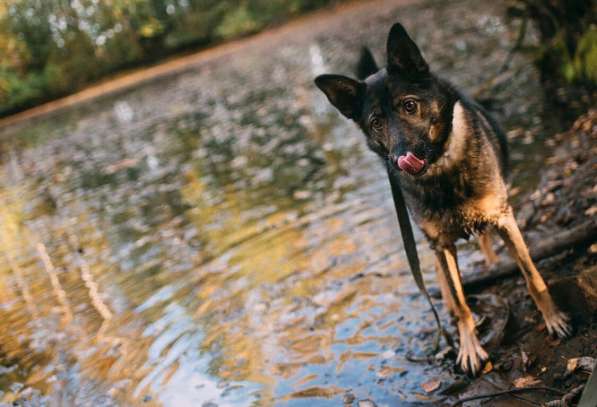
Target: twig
{"x": 507, "y": 392}
{"x": 549, "y": 246}
{"x": 567, "y": 398}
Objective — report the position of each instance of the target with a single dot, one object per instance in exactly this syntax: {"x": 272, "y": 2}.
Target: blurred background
{"x": 194, "y": 225}
{"x": 53, "y": 47}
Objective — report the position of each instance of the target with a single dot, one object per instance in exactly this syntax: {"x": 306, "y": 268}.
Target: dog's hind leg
{"x": 471, "y": 353}
{"x": 444, "y": 286}
{"x": 555, "y": 321}
{"x": 486, "y": 247}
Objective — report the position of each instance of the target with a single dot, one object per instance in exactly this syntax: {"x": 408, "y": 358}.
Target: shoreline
{"x": 307, "y": 25}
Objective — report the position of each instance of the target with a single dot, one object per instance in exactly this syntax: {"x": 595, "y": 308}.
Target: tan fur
{"x": 455, "y": 144}
{"x": 471, "y": 353}
{"x": 444, "y": 287}
{"x": 555, "y": 321}
{"x": 486, "y": 247}
{"x": 490, "y": 207}
{"x": 430, "y": 229}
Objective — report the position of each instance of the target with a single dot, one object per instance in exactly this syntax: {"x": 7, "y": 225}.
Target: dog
{"x": 451, "y": 160}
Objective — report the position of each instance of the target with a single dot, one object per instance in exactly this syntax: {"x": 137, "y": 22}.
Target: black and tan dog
{"x": 451, "y": 159}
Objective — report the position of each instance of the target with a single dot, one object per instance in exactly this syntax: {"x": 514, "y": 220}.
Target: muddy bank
{"x": 566, "y": 196}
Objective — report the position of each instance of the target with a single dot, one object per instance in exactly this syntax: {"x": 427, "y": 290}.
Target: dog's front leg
{"x": 471, "y": 353}
{"x": 555, "y": 321}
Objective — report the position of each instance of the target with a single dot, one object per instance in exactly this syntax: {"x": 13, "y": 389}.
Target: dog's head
{"x": 403, "y": 109}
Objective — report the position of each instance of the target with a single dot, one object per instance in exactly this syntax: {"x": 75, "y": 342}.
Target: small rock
{"x": 367, "y": 403}
{"x": 348, "y": 398}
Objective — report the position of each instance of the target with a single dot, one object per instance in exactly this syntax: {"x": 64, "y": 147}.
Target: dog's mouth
{"x": 410, "y": 163}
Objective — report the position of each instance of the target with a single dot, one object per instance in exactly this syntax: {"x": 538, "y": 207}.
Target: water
{"x": 224, "y": 236}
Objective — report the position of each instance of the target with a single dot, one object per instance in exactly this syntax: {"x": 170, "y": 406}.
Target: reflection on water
{"x": 221, "y": 237}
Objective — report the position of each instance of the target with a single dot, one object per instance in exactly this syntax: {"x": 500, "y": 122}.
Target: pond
{"x": 223, "y": 237}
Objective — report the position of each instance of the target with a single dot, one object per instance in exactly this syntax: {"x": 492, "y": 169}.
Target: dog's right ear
{"x": 366, "y": 65}
{"x": 344, "y": 93}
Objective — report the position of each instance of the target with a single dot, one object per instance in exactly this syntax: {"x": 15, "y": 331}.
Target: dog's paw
{"x": 471, "y": 354}
{"x": 557, "y": 324}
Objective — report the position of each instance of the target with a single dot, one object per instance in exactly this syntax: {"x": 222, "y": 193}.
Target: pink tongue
{"x": 410, "y": 163}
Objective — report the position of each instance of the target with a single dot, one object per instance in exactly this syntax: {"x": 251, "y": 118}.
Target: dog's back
{"x": 494, "y": 132}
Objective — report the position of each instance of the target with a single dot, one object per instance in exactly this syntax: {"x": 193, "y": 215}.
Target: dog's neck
{"x": 455, "y": 144}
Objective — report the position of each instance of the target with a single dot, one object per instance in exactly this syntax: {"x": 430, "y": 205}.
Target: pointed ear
{"x": 344, "y": 93}
{"x": 366, "y": 65}
{"x": 404, "y": 56}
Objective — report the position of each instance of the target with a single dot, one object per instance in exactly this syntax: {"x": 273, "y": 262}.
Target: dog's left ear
{"x": 404, "y": 56}
{"x": 344, "y": 93}
{"x": 366, "y": 65}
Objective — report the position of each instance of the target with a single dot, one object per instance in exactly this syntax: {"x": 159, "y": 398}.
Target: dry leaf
{"x": 431, "y": 386}
{"x": 487, "y": 368}
{"x": 525, "y": 381}
{"x": 584, "y": 363}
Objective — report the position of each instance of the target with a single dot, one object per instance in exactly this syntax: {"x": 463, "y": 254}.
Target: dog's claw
{"x": 557, "y": 324}
{"x": 471, "y": 354}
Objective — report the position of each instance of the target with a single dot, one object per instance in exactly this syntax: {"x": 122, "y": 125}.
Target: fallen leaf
{"x": 584, "y": 363}
{"x": 525, "y": 381}
{"x": 431, "y": 386}
{"x": 488, "y": 367}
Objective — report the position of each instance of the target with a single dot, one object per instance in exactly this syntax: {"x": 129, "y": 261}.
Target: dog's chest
{"x": 456, "y": 205}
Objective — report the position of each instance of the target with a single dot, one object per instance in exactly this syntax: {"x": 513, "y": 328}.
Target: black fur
{"x": 367, "y": 65}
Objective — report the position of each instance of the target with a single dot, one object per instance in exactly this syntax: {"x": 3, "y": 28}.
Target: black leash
{"x": 411, "y": 252}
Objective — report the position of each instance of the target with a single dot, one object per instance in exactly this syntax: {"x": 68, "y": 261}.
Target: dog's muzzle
{"x": 409, "y": 163}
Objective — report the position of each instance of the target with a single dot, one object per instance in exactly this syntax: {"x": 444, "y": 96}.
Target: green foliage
{"x": 567, "y": 47}
{"x": 585, "y": 58}
{"x": 54, "y": 47}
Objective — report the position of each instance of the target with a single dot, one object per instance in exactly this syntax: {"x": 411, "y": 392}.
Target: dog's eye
{"x": 376, "y": 123}
{"x": 410, "y": 106}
